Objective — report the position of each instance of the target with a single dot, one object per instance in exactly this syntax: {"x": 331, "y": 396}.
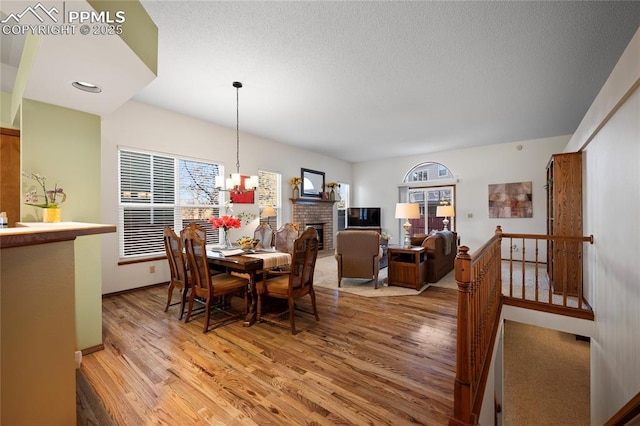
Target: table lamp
{"x": 268, "y": 212}
{"x": 446, "y": 212}
{"x": 407, "y": 211}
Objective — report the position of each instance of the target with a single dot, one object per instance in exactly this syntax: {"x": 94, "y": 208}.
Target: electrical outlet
{"x": 515, "y": 247}
{"x": 152, "y": 269}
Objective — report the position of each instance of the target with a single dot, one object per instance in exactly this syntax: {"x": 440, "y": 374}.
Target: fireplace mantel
{"x": 303, "y": 200}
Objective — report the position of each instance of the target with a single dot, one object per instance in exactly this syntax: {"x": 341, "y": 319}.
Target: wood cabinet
{"x": 564, "y": 218}
{"x": 10, "y": 174}
{"x": 407, "y": 266}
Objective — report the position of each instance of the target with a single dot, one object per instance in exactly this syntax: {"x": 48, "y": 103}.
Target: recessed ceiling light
{"x": 87, "y": 87}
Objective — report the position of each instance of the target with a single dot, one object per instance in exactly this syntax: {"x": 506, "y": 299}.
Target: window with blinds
{"x": 158, "y": 190}
{"x": 269, "y": 195}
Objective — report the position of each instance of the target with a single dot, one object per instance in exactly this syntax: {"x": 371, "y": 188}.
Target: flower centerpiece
{"x": 225, "y": 222}
{"x": 47, "y": 200}
{"x": 295, "y": 181}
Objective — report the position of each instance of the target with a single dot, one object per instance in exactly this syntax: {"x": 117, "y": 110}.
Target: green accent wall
{"x": 64, "y": 145}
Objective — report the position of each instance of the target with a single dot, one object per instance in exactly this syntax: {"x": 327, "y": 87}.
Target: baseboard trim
{"x": 92, "y": 349}
{"x": 131, "y": 290}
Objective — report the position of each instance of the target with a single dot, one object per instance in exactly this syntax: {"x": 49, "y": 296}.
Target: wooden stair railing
{"x": 547, "y": 295}
{"x": 480, "y": 301}
{"x": 629, "y": 412}
{"x": 479, "y": 307}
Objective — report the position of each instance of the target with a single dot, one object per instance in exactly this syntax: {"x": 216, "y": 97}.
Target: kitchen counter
{"x": 37, "y": 321}
{"x": 29, "y": 233}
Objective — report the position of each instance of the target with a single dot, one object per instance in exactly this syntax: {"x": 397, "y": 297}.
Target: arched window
{"x": 430, "y": 185}
{"x": 428, "y": 172}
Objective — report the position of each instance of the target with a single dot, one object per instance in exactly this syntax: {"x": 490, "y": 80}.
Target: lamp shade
{"x": 268, "y": 212}
{"x": 445, "y": 211}
{"x": 407, "y": 211}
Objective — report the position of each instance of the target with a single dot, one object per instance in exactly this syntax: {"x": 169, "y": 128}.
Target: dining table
{"x": 250, "y": 263}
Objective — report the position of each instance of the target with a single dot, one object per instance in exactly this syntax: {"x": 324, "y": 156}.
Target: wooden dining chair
{"x": 177, "y": 267}
{"x": 296, "y": 281}
{"x": 264, "y": 235}
{"x": 200, "y": 230}
{"x": 285, "y": 236}
{"x": 210, "y": 288}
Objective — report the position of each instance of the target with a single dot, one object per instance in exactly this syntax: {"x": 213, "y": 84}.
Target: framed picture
{"x": 511, "y": 200}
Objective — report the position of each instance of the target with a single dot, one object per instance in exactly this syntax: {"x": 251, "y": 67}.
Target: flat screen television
{"x": 363, "y": 217}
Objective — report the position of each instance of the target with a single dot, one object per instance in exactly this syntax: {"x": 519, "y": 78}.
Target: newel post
{"x": 462, "y": 397}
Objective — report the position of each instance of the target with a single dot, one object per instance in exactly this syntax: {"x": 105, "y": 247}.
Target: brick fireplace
{"x": 314, "y": 212}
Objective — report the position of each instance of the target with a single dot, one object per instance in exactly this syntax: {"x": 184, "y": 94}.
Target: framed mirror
{"x": 312, "y": 182}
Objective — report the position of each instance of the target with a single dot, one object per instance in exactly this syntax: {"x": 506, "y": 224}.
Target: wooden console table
{"x": 407, "y": 266}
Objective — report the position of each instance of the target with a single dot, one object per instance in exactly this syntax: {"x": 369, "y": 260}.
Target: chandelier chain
{"x": 238, "y": 86}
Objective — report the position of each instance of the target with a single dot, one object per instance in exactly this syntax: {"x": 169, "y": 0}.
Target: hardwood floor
{"x": 368, "y": 361}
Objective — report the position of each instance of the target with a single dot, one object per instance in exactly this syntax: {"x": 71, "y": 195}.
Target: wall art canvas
{"x": 508, "y": 200}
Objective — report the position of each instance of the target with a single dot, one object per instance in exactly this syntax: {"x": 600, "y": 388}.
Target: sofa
{"x": 442, "y": 247}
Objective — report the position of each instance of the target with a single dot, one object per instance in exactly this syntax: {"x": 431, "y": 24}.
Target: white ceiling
{"x": 61, "y": 59}
{"x": 361, "y": 80}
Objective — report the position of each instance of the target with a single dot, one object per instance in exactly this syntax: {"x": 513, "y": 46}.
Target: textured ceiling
{"x": 364, "y": 80}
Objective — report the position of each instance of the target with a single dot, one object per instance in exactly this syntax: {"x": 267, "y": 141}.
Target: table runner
{"x": 271, "y": 260}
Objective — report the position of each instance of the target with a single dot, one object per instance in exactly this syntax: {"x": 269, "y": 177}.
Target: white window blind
{"x": 158, "y": 190}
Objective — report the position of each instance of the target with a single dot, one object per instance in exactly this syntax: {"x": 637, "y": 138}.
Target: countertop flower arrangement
{"x": 48, "y": 198}
{"x": 225, "y": 222}
{"x": 295, "y": 180}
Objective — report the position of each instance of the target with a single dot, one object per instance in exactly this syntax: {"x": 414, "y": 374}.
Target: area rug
{"x": 326, "y": 276}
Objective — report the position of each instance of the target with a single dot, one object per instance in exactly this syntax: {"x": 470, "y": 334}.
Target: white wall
{"x": 137, "y": 125}
{"x": 376, "y": 184}
{"x": 612, "y": 179}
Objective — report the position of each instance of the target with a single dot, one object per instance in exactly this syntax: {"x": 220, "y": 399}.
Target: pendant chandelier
{"x": 236, "y": 183}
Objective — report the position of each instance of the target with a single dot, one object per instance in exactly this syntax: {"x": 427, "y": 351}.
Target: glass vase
{"x": 296, "y": 192}
{"x": 226, "y": 238}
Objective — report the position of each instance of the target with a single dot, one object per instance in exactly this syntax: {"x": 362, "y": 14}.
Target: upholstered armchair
{"x": 358, "y": 254}
{"x": 442, "y": 248}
